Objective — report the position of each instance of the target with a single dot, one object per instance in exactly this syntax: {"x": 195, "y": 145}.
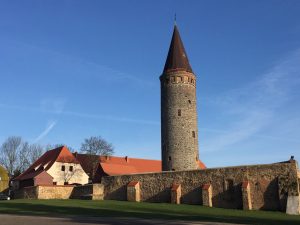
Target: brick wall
{"x": 267, "y": 192}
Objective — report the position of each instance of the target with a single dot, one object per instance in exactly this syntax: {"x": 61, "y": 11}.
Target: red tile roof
{"x": 60, "y": 154}
{"x": 201, "y": 165}
{"x": 113, "y": 165}
{"x": 175, "y": 187}
{"x": 133, "y": 183}
{"x": 206, "y": 186}
{"x": 245, "y": 184}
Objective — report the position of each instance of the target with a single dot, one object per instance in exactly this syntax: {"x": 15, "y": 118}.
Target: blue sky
{"x": 74, "y": 69}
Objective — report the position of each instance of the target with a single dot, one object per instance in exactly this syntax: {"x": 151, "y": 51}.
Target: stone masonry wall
{"x": 54, "y": 192}
{"x": 179, "y": 130}
{"x": 26, "y": 193}
{"x": 90, "y": 191}
{"x": 267, "y": 192}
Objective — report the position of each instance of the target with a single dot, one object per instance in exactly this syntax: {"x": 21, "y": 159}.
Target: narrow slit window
{"x": 190, "y": 102}
{"x": 179, "y": 112}
{"x": 228, "y": 186}
{"x": 193, "y": 134}
{"x": 169, "y": 158}
{"x": 63, "y": 168}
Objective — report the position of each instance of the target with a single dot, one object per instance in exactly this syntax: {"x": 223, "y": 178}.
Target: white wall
{"x": 77, "y": 176}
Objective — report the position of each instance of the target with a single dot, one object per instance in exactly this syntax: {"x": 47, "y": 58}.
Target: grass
{"x": 143, "y": 210}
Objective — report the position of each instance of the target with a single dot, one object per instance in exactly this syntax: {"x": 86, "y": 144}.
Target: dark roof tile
{"x": 177, "y": 59}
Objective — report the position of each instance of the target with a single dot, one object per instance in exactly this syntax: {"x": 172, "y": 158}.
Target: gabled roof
{"x": 177, "y": 59}
{"x": 60, "y": 154}
{"x": 113, "y": 165}
{"x": 201, "y": 165}
{"x": 118, "y": 169}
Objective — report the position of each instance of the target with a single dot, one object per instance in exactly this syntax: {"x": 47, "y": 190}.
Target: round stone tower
{"x": 179, "y": 130}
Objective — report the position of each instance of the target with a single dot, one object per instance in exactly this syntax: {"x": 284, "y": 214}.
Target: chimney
{"x": 127, "y": 158}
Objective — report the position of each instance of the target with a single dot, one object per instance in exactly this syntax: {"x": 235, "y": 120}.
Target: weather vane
{"x": 175, "y": 19}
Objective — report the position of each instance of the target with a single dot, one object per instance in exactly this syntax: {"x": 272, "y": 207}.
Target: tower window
{"x": 192, "y": 81}
{"x": 193, "y": 134}
{"x": 71, "y": 168}
{"x": 190, "y": 102}
{"x": 179, "y": 112}
{"x": 167, "y": 81}
{"x": 63, "y": 168}
{"x": 173, "y": 79}
{"x": 169, "y": 158}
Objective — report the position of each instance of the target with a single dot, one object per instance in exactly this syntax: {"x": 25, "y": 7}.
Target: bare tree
{"x": 17, "y": 155}
{"x": 53, "y": 146}
{"x": 23, "y": 161}
{"x": 94, "y": 147}
{"x": 35, "y": 152}
{"x": 71, "y": 173}
{"x": 9, "y": 153}
{"x": 97, "y": 146}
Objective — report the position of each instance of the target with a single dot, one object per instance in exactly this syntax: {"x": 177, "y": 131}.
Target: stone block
{"x": 293, "y": 205}
{"x": 246, "y": 195}
{"x": 207, "y": 195}
{"x": 133, "y": 191}
{"x": 175, "y": 193}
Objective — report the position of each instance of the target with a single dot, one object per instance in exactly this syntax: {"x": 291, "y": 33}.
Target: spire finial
{"x": 175, "y": 19}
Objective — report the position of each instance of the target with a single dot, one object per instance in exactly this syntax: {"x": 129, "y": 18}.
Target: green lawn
{"x": 144, "y": 210}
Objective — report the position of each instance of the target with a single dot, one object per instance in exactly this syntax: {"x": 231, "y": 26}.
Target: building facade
{"x": 55, "y": 167}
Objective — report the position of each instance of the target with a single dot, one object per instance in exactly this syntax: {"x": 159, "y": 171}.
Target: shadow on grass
{"x": 74, "y": 210}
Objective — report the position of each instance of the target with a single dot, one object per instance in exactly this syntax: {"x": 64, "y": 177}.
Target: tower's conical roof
{"x": 177, "y": 58}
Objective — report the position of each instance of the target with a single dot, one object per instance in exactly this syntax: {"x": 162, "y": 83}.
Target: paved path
{"x": 6, "y": 219}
